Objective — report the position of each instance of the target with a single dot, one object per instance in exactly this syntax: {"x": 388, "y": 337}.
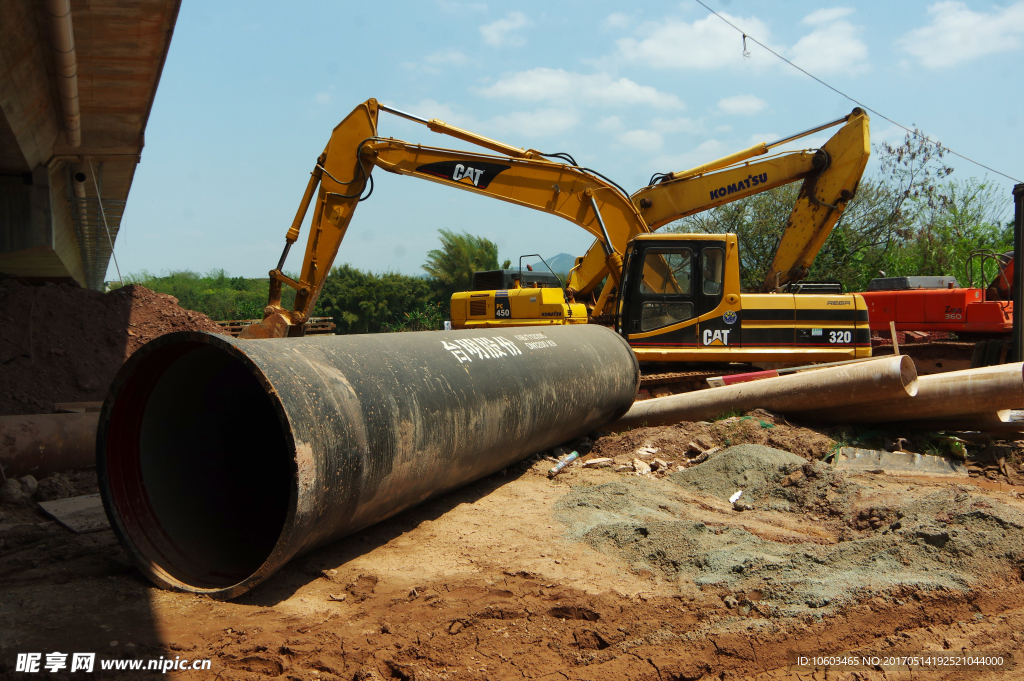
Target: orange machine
{"x": 940, "y": 304}
{"x": 931, "y": 308}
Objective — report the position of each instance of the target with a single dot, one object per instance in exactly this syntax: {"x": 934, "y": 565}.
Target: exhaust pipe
{"x": 221, "y": 459}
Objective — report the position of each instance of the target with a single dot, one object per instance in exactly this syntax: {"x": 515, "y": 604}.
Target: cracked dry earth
{"x": 594, "y": 575}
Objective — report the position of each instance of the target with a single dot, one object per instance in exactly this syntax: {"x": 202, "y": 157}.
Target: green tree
{"x": 451, "y": 267}
{"x": 215, "y": 294}
{"x": 363, "y": 302}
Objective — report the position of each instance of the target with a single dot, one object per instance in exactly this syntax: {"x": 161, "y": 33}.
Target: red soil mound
{"x": 61, "y": 343}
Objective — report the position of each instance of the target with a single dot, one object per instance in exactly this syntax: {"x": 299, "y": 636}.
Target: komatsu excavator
{"x": 677, "y": 298}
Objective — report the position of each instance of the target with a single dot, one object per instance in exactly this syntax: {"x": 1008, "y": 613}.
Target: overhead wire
{"x": 915, "y": 133}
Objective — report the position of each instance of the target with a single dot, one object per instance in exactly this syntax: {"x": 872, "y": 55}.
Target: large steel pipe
{"x": 40, "y": 444}
{"x": 221, "y": 459}
{"x": 959, "y": 395}
{"x": 888, "y": 377}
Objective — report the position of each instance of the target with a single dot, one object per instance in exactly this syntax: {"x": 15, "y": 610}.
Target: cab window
{"x": 712, "y": 271}
{"x": 656, "y": 314}
{"x": 667, "y": 271}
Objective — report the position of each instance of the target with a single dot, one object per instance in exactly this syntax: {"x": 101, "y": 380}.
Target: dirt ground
{"x": 62, "y": 343}
{"x": 599, "y": 573}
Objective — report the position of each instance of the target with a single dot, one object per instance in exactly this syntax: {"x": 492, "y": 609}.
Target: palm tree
{"x": 452, "y": 266}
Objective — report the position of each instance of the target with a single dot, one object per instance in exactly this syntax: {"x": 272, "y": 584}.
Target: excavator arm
{"x": 342, "y": 178}
{"x": 830, "y": 178}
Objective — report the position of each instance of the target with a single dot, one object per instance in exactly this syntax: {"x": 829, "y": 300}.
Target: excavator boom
{"x": 830, "y": 174}
{"x": 343, "y": 173}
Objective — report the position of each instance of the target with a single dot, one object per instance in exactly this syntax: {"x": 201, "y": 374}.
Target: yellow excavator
{"x": 676, "y": 297}
{"x": 669, "y": 312}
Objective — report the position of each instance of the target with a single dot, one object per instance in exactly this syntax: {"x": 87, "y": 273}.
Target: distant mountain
{"x": 560, "y": 263}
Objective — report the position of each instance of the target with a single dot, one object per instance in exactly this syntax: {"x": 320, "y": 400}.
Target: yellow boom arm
{"x": 523, "y": 177}
{"x": 830, "y": 174}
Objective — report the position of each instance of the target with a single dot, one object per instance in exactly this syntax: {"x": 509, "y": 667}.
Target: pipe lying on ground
{"x": 41, "y": 444}
{"x": 885, "y": 378}
{"x": 952, "y": 395}
{"x": 221, "y": 459}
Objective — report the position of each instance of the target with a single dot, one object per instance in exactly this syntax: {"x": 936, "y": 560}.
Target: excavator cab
{"x": 681, "y": 301}
{"x": 671, "y": 285}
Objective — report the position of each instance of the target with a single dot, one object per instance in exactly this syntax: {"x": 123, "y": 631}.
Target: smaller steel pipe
{"x": 888, "y": 377}
{"x": 951, "y": 395}
{"x": 41, "y": 444}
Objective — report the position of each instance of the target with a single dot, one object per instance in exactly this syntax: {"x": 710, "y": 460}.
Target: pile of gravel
{"x": 944, "y": 540}
{"x": 754, "y": 469}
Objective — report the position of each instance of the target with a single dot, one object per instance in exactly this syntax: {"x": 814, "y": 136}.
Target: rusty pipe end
{"x": 908, "y": 375}
{"x": 196, "y": 465}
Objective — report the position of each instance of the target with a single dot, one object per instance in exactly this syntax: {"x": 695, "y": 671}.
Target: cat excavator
{"x": 675, "y": 297}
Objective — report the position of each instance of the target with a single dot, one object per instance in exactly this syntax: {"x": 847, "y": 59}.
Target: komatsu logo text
{"x": 751, "y": 181}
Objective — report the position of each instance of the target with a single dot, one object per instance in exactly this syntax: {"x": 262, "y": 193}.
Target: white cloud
{"x": 834, "y": 46}
{"x": 446, "y": 57}
{"x": 958, "y": 34}
{"x": 709, "y": 43}
{"x": 704, "y": 44}
{"x": 644, "y": 140}
{"x": 616, "y": 20}
{"x": 598, "y": 89}
{"x": 323, "y": 98}
{"x": 827, "y": 15}
{"x": 723, "y": 128}
{"x": 501, "y": 32}
{"x": 609, "y": 124}
{"x": 746, "y": 105}
{"x": 535, "y": 123}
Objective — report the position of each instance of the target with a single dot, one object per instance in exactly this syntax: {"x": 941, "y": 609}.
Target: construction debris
{"x": 79, "y": 514}
{"x": 641, "y": 467}
{"x": 562, "y": 463}
{"x": 904, "y": 463}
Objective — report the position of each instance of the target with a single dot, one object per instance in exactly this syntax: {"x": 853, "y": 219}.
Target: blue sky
{"x": 251, "y": 91}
